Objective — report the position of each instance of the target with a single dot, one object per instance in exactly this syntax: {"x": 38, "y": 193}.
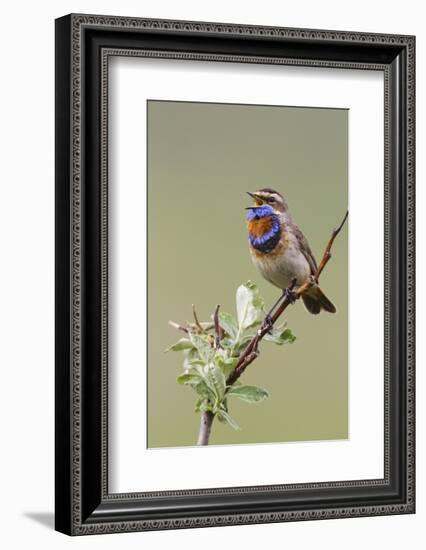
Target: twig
{"x": 217, "y": 329}
{"x": 327, "y": 254}
{"x": 197, "y": 322}
{"x": 178, "y": 326}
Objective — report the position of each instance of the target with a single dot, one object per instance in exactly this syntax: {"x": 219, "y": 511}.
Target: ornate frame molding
{"x": 73, "y": 504}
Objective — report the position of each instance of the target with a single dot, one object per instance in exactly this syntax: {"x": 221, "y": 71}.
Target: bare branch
{"x": 327, "y": 254}
{"x": 197, "y": 322}
{"x": 177, "y": 326}
{"x": 217, "y": 328}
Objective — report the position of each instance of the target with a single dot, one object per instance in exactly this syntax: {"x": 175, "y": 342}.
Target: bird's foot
{"x": 312, "y": 280}
{"x": 290, "y": 295}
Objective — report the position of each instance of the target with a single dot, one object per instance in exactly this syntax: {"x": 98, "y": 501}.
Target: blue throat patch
{"x": 258, "y": 212}
{"x": 269, "y": 240}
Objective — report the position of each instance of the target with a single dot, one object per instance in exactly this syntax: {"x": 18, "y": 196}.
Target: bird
{"x": 279, "y": 249}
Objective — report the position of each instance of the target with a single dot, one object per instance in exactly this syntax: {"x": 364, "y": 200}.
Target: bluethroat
{"x": 279, "y": 249}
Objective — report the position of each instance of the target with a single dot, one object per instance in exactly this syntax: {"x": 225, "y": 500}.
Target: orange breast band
{"x": 260, "y": 227}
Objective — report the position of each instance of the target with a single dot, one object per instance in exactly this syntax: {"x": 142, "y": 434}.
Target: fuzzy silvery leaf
{"x": 199, "y": 378}
{"x": 202, "y": 405}
{"x": 227, "y": 342}
{"x": 180, "y": 345}
{"x": 191, "y": 359}
{"x": 205, "y": 391}
{"x": 229, "y": 324}
{"x": 207, "y": 386}
{"x": 241, "y": 346}
{"x": 197, "y": 406}
{"x": 280, "y": 337}
{"x": 220, "y": 352}
{"x": 203, "y": 346}
{"x": 249, "y": 306}
{"x": 226, "y": 364}
{"x": 226, "y": 417}
{"x": 217, "y": 381}
{"x": 249, "y": 394}
{"x": 189, "y": 378}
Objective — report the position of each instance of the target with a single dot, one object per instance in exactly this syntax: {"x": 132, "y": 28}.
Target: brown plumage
{"x": 314, "y": 299}
{"x": 280, "y": 250}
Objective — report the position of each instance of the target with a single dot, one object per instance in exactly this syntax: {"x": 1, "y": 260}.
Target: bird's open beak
{"x": 258, "y": 201}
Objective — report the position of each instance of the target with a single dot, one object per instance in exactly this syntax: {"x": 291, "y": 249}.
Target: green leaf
{"x": 227, "y": 342}
{"x": 226, "y": 417}
{"x": 226, "y": 364}
{"x": 218, "y": 381}
{"x": 197, "y": 406}
{"x": 204, "y": 406}
{"x": 198, "y": 377}
{"x": 280, "y": 338}
{"x": 203, "y": 346}
{"x": 189, "y": 378}
{"x": 229, "y": 324}
{"x": 249, "y": 394}
{"x": 180, "y": 345}
{"x": 191, "y": 359}
{"x": 249, "y": 306}
{"x": 238, "y": 348}
{"x": 206, "y": 386}
{"x": 205, "y": 391}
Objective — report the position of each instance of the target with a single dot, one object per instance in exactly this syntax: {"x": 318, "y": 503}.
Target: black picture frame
{"x": 83, "y": 504}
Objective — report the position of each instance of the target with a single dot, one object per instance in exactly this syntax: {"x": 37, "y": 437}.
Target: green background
{"x": 202, "y": 158}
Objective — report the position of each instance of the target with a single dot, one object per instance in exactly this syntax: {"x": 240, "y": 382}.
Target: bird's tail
{"x": 315, "y": 300}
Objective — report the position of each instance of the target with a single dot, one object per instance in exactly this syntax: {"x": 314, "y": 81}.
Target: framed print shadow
{"x": 242, "y": 198}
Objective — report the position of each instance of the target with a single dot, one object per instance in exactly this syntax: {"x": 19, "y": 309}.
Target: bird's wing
{"x": 305, "y": 249}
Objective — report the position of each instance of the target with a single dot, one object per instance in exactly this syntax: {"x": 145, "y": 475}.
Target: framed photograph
{"x": 234, "y": 274}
